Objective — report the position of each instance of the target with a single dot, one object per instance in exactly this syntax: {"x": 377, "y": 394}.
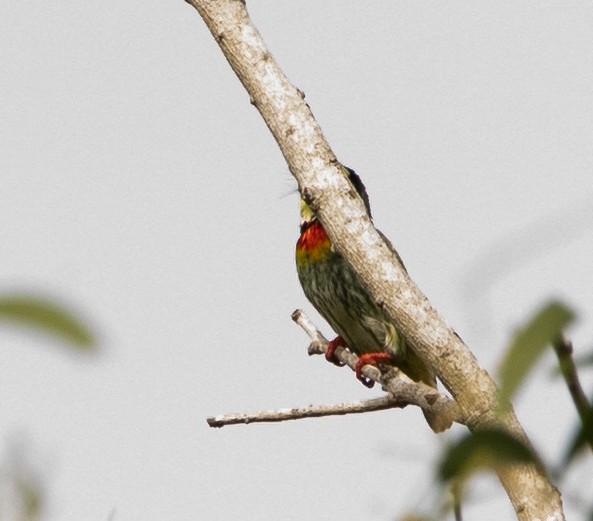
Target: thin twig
{"x": 313, "y": 411}
{"x": 564, "y": 350}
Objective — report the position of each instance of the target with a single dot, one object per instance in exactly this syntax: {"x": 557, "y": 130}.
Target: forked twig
{"x": 401, "y": 392}
{"x": 404, "y": 391}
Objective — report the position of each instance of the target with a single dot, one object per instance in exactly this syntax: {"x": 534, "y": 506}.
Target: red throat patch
{"x": 313, "y": 245}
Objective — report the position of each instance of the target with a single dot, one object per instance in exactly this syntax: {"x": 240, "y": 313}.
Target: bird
{"x": 336, "y": 292}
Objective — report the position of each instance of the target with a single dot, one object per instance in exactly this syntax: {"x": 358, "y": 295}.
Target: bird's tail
{"x": 417, "y": 370}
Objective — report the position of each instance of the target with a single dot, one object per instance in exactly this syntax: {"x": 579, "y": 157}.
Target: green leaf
{"x": 529, "y": 344}
{"x": 47, "y": 317}
{"x": 483, "y": 450}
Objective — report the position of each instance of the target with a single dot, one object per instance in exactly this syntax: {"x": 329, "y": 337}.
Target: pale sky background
{"x": 140, "y": 187}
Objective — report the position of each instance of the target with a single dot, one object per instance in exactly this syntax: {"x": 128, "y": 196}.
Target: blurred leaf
{"x": 47, "y": 317}
{"x": 31, "y": 498}
{"x": 22, "y": 489}
{"x": 483, "y": 450}
{"x": 583, "y": 436}
{"x": 529, "y": 344}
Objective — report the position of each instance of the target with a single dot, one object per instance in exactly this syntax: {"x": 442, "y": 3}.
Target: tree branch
{"x": 343, "y": 216}
{"x": 313, "y": 411}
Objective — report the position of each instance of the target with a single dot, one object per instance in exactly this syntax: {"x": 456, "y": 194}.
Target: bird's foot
{"x": 330, "y": 354}
{"x": 370, "y": 359}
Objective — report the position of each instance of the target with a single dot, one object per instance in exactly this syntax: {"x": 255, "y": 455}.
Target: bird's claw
{"x": 330, "y": 354}
{"x": 370, "y": 359}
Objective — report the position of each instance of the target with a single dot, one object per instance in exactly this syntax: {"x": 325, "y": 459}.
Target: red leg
{"x": 330, "y": 354}
{"x": 370, "y": 359}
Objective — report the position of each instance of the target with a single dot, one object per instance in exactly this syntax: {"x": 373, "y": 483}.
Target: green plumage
{"x": 336, "y": 292}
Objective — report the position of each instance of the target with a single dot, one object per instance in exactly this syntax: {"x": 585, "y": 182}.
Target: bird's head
{"x": 308, "y": 216}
